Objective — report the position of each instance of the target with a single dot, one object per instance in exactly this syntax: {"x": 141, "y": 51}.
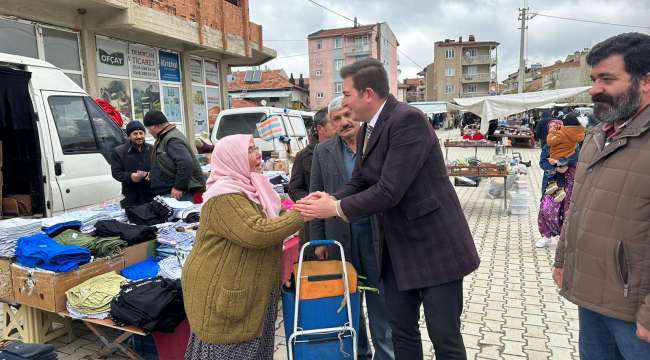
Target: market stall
{"x": 498, "y": 106}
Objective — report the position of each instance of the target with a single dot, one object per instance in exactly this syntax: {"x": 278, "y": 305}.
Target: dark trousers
{"x": 443, "y": 305}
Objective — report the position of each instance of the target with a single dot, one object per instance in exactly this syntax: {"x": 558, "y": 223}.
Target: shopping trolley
{"x": 322, "y": 327}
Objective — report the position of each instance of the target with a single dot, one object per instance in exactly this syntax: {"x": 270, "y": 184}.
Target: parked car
{"x": 245, "y": 120}
{"x": 61, "y": 159}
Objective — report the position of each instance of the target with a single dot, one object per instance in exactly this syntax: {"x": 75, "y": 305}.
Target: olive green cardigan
{"x": 228, "y": 276}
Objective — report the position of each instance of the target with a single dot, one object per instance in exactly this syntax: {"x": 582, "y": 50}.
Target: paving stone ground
{"x": 512, "y": 309}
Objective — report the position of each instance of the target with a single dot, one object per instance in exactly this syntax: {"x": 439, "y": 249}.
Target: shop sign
{"x": 144, "y": 64}
{"x": 111, "y": 57}
{"x": 169, "y": 66}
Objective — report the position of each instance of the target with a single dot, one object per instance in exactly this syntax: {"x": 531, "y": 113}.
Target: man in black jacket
{"x": 130, "y": 163}
{"x": 321, "y": 130}
{"x": 175, "y": 172}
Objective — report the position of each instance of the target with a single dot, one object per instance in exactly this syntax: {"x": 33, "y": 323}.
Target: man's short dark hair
{"x": 634, "y": 47}
{"x": 368, "y": 73}
{"x": 320, "y": 119}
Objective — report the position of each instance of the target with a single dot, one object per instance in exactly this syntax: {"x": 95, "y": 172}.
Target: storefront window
{"x": 146, "y": 97}
{"x": 206, "y": 93}
{"x": 133, "y": 76}
{"x": 61, "y": 49}
{"x": 117, "y": 92}
{"x": 18, "y": 38}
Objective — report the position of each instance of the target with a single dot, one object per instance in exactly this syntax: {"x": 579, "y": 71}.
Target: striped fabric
{"x": 270, "y": 128}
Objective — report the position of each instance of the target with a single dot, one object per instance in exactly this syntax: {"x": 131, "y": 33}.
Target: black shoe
{"x": 527, "y": 163}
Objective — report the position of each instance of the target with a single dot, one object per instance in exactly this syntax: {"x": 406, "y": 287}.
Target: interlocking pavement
{"x": 512, "y": 308}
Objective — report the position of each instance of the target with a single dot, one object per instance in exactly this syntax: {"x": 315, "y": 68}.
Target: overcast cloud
{"x": 418, "y": 24}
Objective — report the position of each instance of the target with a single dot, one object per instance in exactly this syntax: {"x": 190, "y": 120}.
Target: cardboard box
{"x": 45, "y": 290}
{"x": 140, "y": 252}
{"x": 6, "y": 283}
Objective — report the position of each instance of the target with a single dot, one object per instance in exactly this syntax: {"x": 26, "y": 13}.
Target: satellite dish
{"x": 468, "y": 54}
{"x": 263, "y": 102}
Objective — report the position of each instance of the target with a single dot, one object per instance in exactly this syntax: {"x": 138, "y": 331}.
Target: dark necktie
{"x": 369, "y": 129}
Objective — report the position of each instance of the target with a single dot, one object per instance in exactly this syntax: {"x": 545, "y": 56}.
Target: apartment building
{"x": 331, "y": 49}
{"x": 465, "y": 68}
{"x": 169, "y": 55}
{"x": 415, "y": 89}
{"x": 429, "y": 76}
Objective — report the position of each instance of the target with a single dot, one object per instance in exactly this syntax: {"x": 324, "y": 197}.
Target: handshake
{"x": 317, "y": 205}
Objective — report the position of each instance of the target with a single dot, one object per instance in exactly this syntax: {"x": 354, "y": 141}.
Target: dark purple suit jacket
{"x": 402, "y": 179}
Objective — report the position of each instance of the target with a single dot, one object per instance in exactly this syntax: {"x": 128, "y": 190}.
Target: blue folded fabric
{"x": 43, "y": 252}
{"x": 56, "y": 229}
{"x": 142, "y": 270}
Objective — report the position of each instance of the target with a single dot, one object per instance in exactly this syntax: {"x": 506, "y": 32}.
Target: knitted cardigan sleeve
{"x": 242, "y": 222}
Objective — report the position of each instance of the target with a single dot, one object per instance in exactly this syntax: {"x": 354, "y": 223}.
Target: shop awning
{"x": 434, "y": 107}
{"x": 494, "y": 107}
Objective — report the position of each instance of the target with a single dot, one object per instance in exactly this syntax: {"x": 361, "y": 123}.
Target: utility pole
{"x": 522, "y": 46}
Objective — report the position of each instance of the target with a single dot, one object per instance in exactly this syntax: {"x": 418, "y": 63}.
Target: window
{"x": 206, "y": 93}
{"x": 338, "y": 87}
{"x": 234, "y": 2}
{"x": 77, "y": 134}
{"x": 449, "y": 54}
{"x": 18, "y": 38}
{"x": 320, "y": 95}
{"x": 338, "y": 42}
{"x": 449, "y": 89}
{"x": 473, "y": 52}
{"x": 338, "y": 64}
{"x": 319, "y": 73}
{"x": 360, "y": 41}
{"x": 450, "y": 71}
{"x": 472, "y": 70}
{"x": 472, "y": 88}
{"x": 245, "y": 123}
{"x": 319, "y": 44}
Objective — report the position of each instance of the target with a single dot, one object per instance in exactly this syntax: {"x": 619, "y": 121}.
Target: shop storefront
{"x": 137, "y": 78}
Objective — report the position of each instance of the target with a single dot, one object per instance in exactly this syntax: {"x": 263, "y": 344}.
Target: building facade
{"x": 464, "y": 68}
{"x": 331, "y": 49}
{"x": 169, "y": 55}
{"x": 269, "y": 88}
{"x": 415, "y": 89}
{"x": 429, "y": 76}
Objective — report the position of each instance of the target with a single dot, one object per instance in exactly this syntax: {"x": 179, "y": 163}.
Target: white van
{"x": 244, "y": 121}
{"x": 59, "y": 156}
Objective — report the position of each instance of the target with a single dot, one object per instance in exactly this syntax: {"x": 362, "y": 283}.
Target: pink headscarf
{"x": 231, "y": 173}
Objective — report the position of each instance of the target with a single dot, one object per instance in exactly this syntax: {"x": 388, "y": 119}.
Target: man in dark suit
{"x": 332, "y": 166}
{"x": 425, "y": 247}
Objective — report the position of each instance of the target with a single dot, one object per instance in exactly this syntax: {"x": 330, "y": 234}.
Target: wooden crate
{"x": 45, "y": 290}
{"x": 6, "y": 283}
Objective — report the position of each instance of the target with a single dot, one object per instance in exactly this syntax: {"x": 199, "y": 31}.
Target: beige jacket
{"x": 604, "y": 247}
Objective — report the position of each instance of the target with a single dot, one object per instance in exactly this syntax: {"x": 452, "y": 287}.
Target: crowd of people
{"x": 374, "y": 179}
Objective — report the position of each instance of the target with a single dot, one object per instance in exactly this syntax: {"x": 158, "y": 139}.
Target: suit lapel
{"x": 380, "y": 125}
{"x": 335, "y": 150}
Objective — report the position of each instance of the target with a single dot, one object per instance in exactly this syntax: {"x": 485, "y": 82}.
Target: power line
{"x": 330, "y": 10}
{"x": 593, "y": 21}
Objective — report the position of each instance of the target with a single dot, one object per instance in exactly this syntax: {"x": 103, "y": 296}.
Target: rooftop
{"x": 325, "y": 33}
{"x": 269, "y": 80}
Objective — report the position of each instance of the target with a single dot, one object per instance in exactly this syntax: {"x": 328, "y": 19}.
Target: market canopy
{"x": 494, "y": 107}
{"x": 434, "y": 107}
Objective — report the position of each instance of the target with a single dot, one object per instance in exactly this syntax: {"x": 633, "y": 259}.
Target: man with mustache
{"x": 602, "y": 262}
{"x": 331, "y": 168}
{"x": 130, "y": 163}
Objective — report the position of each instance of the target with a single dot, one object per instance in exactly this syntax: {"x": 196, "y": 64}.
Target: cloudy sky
{"x": 419, "y": 23}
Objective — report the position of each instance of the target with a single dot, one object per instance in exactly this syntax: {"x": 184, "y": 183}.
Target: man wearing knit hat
{"x": 130, "y": 163}
{"x": 175, "y": 172}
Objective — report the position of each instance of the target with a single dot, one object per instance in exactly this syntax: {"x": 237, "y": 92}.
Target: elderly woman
{"x": 231, "y": 279}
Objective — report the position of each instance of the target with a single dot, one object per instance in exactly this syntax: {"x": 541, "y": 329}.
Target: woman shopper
{"x": 231, "y": 279}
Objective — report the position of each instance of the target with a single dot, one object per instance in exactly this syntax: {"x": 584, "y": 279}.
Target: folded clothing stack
{"x": 92, "y": 298}
{"x": 99, "y": 246}
{"x": 151, "y": 213}
{"x": 132, "y": 234}
{"x": 170, "y": 240}
{"x": 12, "y": 229}
{"x": 170, "y": 268}
{"x": 17, "y": 350}
{"x": 143, "y": 270}
{"x": 57, "y": 228}
{"x": 43, "y": 252}
{"x": 178, "y": 206}
{"x": 154, "y": 305}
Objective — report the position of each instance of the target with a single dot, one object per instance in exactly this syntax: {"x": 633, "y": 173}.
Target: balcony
{"x": 357, "y": 49}
{"x": 475, "y": 94}
{"x": 478, "y": 60}
{"x": 475, "y": 78}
